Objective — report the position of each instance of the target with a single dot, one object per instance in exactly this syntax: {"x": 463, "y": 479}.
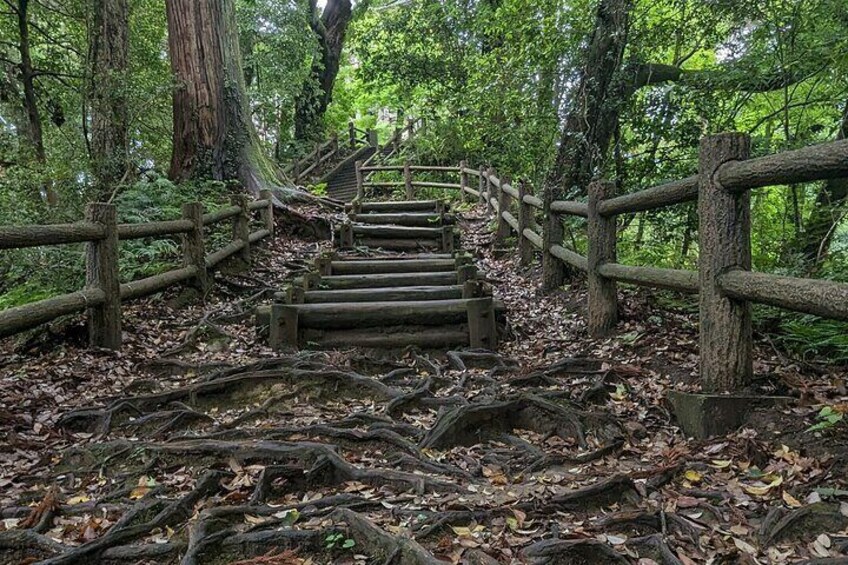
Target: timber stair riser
{"x": 388, "y": 280}
{"x": 475, "y": 318}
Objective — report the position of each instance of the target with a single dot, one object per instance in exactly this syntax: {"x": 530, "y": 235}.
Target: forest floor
{"x": 198, "y": 445}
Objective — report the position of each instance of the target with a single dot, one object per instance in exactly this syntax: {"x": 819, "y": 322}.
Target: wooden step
{"x": 388, "y": 294}
{"x": 351, "y": 282}
{"x": 432, "y": 206}
{"x": 289, "y": 321}
{"x": 367, "y": 267}
{"x": 442, "y": 337}
{"x": 410, "y": 219}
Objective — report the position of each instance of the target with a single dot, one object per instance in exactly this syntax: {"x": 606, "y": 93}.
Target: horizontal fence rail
{"x": 104, "y": 293}
{"x": 724, "y": 282}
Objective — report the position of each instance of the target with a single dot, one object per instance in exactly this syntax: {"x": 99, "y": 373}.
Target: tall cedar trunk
{"x": 814, "y": 241}
{"x": 311, "y": 105}
{"x": 109, "y": 111}
{"x": 214, "y": 137}
{"x": 34, "y": 129}
{"x": 591, "y": 122}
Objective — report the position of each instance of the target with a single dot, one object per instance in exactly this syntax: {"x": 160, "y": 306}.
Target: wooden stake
{"x": 360, "y": 188}
{"x": 101, "y": 272}
{"x": 525, "y": 217}
{"x": 603, "y": 292}
{"x": 725, "y": 243}
{"x": 267, "y": 214}
{"x": 503, "y": 206}
{"x": 463, "y": 182}
{"x": 193, "y": 246}
{"x": 407, "y": 180}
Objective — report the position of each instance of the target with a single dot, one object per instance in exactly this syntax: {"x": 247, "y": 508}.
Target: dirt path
{"x": 206, "y": 448}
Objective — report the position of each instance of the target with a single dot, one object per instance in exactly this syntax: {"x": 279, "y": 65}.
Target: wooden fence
{"x": 103, "y": 292}
{"x": 724, "y": 279}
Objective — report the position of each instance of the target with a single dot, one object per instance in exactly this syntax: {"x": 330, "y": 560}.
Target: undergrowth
{"x": 28, "y": 275}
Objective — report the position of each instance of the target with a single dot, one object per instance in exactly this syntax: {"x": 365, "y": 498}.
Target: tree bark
{"x": 590, "y": 123}
{"x": 34, "y": 130}
{"x": 109, "y": 46}
{"x": 214, "y": 137}
{"x": 330, "y": 29}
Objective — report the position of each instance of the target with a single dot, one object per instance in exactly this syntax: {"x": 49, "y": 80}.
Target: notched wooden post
{"x": 525, "y": 217}
{"x": 241, "y": 232}
{"x": 407, "y": 180}
{"x": 603, "y": 292}
{"x": 482, "y": 186}
{"x": 283, "y": 328}
{"x": 503, "y": 206}
{"x": 463, "y": 182}
{"x": 360, "y": 182}
{"x": 490, "y": 173}
{"x": 725, "y": 243}
{"x": 351, "y": 129}
{"x": 482, "y": 330}
{"x": 194, "y": 247}
{"x": 448, "y": 240}
{"x": 267, "y": 214}
{"x": 101, "y": 271}
{"x": 553, "y": 269}
{"x": 346, "y": 236}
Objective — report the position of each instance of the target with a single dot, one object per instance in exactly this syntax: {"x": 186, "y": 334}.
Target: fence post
{"x": 725, "y": 243}
{"x": 503, "y": 206}
{"x": 267, "y": 214}
{"x": 372, "y": 138}
{"x": 193, "y": 246}
{"x": 360, "y": 183}
{"x": 410, "y": 127}
{"x": 553, "y": 269}
{"x": 101, "y": 271}
{"x": 603, "y": 292}
{"x": 489, "y": 174}
{"x": 482, "y": 186}
{"x": 351, "y": 129}
{"x": 241, "y": 230}
{"x": 296, "y": 170}
{"x": 334, "y": 146}
{"x": 463, "y": 182}
{"x": 525, "y": 220}
{"x": 407, "y": 180}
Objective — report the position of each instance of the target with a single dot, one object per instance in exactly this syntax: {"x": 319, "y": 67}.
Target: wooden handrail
{"x": 724, "y": 279}
{"x": 103, "y": 296}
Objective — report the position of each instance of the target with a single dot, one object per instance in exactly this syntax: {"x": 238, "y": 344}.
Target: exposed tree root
{"x": 572, "y": 552}
{"x": 390, "y": 549}
{"x": 476, "y": 423}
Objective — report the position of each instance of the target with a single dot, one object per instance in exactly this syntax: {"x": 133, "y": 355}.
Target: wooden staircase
{"x": 422, "y": 293}
{"x": 341, "y": 184}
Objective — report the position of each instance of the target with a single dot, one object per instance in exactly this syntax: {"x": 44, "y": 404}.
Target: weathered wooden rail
{"x": 104, "y": 292}
{"x": 724, "y": 281}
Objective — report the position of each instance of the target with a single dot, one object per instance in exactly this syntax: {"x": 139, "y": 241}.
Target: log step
{"x": 443, "y": 337}
{"x": 289, "y": 322}
{"x": 398, "y": 232}
{"x": 390, "y": 294}
{"x": 390, "y": 266}
{"x": 432, "y": 206}
{"x": 421, "y": 220}
{"x": 351, "y": 282}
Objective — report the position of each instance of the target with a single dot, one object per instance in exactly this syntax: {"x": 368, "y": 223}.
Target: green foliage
{"x": 338, "y": 540}
{"x": 827, "y": 418}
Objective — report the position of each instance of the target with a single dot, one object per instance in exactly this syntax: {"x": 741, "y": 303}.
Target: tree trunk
{"x": 34, "y": 129}
{"x": 109, "y": 46}
{"x": 214, "y": 137}
{"x": 590, "y": 123}
{"x": 813, "y": 242}
{"x": 330, "y": 29}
